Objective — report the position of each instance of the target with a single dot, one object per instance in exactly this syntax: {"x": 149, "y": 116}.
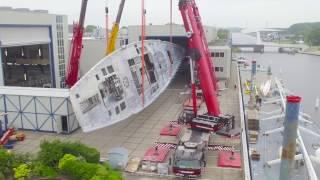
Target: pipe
{"x": 289, "y": 137}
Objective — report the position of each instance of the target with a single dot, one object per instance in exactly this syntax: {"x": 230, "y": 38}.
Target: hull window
{"x": 89, "y": 103}
{"x": 97, "y": 77}
{"x": 131, "y": 62}
{"x": 123, "y": 106}
{"x": 104, "y": 71}
{"x": 110, "y": 69}
{"x": 150, "y": 69}
{"x": 136, "y": 80}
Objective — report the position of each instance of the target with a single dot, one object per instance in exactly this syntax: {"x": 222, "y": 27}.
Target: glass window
{"x": 110, "y": 69}
{"x": 216, "y": 69}
{"x": 221, "y": 54}
{"x": 97, "y": 77}
{"x": 123, "y": 106}
{"x": 221, "y": 69}
{"x": 131, "y": 62}
{"x": 117, "y": 110}
{"x": 216, "y": 54}
{"x": 212, "y": 54}
{"x": 104, "y": 71}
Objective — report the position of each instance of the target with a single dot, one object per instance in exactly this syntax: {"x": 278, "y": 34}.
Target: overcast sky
{"x": 221, "y": 13}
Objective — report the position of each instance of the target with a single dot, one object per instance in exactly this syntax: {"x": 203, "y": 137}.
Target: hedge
{"x": 51, "y": 152}
{"x": 79, "y": 169}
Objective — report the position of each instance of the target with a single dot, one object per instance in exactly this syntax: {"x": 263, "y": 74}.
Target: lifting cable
{"x": 143, "y": 12}
{"x": 170, "y": 73}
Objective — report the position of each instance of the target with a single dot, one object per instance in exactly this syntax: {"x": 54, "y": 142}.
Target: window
{"x": 97, "y": 77}
{"x": 216, "y": 54}
{"x": 150, "y": 69}
{"x": 89, "y": 103}
{"x": 104, "y": 71}
{"x": 77, "y": 95}
{"x": 221, "y": 54}
{"x": 131, "y": 62}
{"x": 123, "y": 106}
{"x": 221, "y": 69}
{"x": 110, "y": 69}
{"x": 117, "y": 110}
{"x": 216, "y": 69}
{"x": 212, "y": 54}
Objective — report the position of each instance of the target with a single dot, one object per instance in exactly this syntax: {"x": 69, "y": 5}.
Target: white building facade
{"x": 29, "y": 38}
{"x": 221, "y": 57}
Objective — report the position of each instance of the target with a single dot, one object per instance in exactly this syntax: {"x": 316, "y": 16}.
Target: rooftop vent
{"x": 41, "y": 11}
{"x": 22, "y": 9}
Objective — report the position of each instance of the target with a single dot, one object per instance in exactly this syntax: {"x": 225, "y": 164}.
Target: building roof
{"x": 29, "y": 91}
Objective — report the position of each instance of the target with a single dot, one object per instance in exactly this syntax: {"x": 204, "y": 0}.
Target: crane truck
{"x": 190, "y": 155}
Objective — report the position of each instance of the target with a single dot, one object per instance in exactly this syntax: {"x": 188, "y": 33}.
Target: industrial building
{"x": 33, "y": 48}
{"x": 33, "y": 55}
{"x": 179, "y": 36}
{"x": 94, "y": 49}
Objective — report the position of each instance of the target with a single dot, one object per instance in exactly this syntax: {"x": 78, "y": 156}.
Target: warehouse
{"x": 33, "y": 48}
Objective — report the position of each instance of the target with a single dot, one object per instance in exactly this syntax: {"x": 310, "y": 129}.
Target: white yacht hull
{"x": 111, "y": 91}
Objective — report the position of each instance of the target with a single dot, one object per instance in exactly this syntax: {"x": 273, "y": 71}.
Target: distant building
{"x": 33, "y": 48}
{"x": 179, "y": 36}
{"x": 94, "y": 49}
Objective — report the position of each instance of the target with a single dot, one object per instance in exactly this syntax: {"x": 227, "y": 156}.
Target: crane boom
{"x": 111, "y": 45}
{"x": 198, "y": 44}
{"x": 76, "y": 47}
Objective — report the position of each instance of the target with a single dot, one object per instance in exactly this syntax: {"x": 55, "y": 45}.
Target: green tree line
{"x": 310, "y": 32}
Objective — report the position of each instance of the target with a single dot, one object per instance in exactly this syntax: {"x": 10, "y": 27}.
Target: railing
{"x": 244, "y": 135}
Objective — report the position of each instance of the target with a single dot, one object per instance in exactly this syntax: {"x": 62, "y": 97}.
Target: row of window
{"x": 104, "y": 71}
{"x": 122, "y": 107}
{"x": 217, "y": 54}
{"x": 59, "y": 19}
{"x": 61, "y": 55}
{"x": 218, "y": 69}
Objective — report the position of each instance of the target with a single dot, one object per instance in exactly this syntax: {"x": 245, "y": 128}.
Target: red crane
{"x": 199, "y": 51}
{"x": 76, "y": 47}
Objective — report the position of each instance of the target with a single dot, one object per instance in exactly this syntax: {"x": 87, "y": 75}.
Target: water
{"x": 300, "y": 73}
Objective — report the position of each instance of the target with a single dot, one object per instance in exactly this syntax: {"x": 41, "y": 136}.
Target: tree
{"x": 90, "y": 28}
{"x": 223, "y": 34}
{"x": 313, "y": 37}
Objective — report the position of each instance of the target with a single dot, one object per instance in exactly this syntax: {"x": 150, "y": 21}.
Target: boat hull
{"x": 112, "y": 90}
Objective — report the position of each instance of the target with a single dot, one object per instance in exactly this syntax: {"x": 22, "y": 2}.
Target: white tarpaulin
{"x": 21, "y": 36}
